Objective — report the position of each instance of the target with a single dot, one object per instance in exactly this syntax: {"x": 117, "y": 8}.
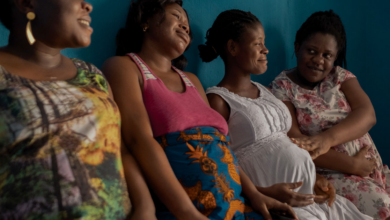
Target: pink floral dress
{"x": 318, "y": 110}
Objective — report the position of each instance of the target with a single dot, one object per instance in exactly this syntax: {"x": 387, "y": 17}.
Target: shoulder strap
{"x": 146, "y": 72}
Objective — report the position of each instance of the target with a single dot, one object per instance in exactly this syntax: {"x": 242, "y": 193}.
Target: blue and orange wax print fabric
{"x": 208, "y": 171}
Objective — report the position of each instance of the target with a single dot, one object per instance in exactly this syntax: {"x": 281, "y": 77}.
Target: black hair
{"x": 229, "y": 24}
{"x": 129, "y": 39}
{"x": 6, "y": 7}
{"x": 325, "y": 22}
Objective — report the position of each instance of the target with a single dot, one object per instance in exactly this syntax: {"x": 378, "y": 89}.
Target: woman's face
{"x": 252, "y": 53}
{"x": 62, "y": 23}
{"x": 316, "y": 56}
{"x": 173, "y": 31}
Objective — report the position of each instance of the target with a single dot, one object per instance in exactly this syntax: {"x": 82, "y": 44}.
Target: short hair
{"x": 229, "y": 24}
{"x": 325, "y": 22}
{"x": 130, "y": 38}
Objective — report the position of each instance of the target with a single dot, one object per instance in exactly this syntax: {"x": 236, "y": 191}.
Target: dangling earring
{"x": 30, "y": 37}
{"x": 145, "y": 28}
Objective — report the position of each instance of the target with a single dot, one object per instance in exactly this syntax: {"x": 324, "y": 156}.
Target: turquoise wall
{"x": 367, "y": 25}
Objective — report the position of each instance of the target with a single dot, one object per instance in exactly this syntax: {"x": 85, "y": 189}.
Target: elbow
{"x": 372, "y": 119}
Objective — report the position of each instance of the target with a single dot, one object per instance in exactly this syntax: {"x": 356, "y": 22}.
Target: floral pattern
{"x": 320, "y": 109}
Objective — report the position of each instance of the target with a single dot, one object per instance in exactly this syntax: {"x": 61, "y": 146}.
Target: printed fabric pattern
{"x": 320, "y": 109}
{"x": 208, "y": 171}
{"x": 60, "y": 148}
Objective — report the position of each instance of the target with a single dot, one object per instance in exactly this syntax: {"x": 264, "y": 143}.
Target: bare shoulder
{"x": 193, "y": 78}
{"x": 219, "y": 105}
{"x": 119, "y": 65}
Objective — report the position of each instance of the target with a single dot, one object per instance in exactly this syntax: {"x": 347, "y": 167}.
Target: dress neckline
{"x": 261, "y": 92}
{"x": 160, "y": 80}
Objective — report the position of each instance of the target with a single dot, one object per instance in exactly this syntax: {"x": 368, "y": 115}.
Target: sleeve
{"x": 344, "y": 75}
{"x": 279, "y": 88}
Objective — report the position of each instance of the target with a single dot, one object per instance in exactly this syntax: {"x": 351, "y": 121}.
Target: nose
{"x": 318, "y": 59}
{"x": 265, "y": 50}
{"x": 87, "y": 6}
{"x": 185, "y": 28}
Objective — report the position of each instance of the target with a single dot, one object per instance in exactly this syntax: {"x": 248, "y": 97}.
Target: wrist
{"x": 328, "y": 139}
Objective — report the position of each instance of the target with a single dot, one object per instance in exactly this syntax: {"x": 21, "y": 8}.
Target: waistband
{"x": 203, "y": 134}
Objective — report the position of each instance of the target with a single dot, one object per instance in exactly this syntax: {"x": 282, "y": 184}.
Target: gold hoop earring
{"x": 30, "y": 37}
{"x": 145, "y": 28}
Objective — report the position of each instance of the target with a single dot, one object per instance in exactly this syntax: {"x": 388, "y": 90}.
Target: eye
{"x": 328, "y": 56}
{"x": 176, "y": 15}
{"x": 311, "y": 51}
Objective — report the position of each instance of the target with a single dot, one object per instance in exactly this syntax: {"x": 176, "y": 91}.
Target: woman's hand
{"x": 324, "y": 191}
{"x": 262, "y": 203}
{"x": 363, "y": 166}
{"x": 317, "y": 145}
{"x": 283, "y": 192}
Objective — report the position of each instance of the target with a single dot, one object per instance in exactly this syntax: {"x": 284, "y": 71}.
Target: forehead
{"x": 322, "y": 40}
{"x": 176, "y": 7}
{"x": 253, "y": 32}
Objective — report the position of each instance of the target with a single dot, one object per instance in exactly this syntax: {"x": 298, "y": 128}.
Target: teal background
{"x": 367, "y": 25}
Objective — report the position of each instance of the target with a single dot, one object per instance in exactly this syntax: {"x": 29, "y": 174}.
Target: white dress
{"x": 258, "y": 134}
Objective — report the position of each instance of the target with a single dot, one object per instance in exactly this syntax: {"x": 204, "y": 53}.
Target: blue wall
{"x": 367, "y": 27}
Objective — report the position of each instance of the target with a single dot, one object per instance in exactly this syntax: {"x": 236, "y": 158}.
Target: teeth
{"x": 84, "y": 22}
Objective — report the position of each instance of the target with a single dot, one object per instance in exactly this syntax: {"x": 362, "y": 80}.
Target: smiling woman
{"x": 60, "y": 142}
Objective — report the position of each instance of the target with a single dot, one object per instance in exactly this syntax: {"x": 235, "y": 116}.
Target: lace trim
{"x": 243, "y": 152}
{"x": 227, "y": 92}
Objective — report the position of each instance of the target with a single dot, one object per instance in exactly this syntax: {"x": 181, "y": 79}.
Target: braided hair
{"x": 325, "y": 22}
{"x": 129, "y": 39}
{"x": 6, "y": 7}
{"x": 229, "y": 24}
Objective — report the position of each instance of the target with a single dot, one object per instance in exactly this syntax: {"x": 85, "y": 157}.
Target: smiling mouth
{"x": 85, "y": 22}
{"x": 183, "y": 36}
{"x": 315, "y": 69}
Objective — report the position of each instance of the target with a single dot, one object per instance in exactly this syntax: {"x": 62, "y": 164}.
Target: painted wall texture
{"x": 367, "y": 25}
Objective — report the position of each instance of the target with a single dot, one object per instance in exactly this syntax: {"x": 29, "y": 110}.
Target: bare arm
{"x": 125, "y": 78}
{"x": 142, "y": 203}
{"x": 357, "y": 165}
{"x": 359, "y": 121}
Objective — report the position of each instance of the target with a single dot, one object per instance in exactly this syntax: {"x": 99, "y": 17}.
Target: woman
{"x": 330, "y": 109}
{"x": 258, "y": 122}
{"x": 178, "y": 140}
{"x": 59, "y": 126}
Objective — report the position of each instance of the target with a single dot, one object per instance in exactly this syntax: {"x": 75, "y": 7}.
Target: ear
{"x": 25, "y": 6}
{"x": 232, "y": 47}
{"x": 296, "y": 48}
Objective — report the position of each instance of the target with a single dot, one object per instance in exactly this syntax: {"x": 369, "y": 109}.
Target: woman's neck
{"x": 38, "y": 53}
{"x": 235, "y": 79}
{"x": 157, "y": 60}
{"x": 302, "y": 82}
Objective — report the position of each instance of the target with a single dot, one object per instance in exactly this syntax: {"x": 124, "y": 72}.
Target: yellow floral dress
{"x": 60, "y": 148}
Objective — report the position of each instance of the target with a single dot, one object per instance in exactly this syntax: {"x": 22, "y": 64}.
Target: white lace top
{"x": 247, "y": 128}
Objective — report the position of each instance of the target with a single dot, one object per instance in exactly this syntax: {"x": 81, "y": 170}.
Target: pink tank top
{"x": 171, "y": 111}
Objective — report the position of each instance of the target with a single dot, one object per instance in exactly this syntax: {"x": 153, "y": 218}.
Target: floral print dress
{"x": 318, "y": 110}
{"x": 60, "y": 148}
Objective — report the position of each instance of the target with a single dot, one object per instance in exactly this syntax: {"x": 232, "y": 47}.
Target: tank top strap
{"x": 142, "y": 66}
{"x": 185, "y": 78}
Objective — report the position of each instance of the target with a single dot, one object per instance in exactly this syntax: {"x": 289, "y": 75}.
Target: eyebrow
{"x": 178, "y": 10}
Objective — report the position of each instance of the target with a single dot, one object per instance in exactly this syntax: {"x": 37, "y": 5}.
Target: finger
{"x": 264, "y": 212}
{"x": 287, "y": 209}
{"x": 321, "y": 198}
{"x": 332, "y": 195}
{"x": 302, "y": 197}
{"x": 302, "y": 203}
{"x": 323, "y": 185}
{"x": 294, "y": 185}
{"x": 364, "y": 149}
{"x": 316, "y": 153}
